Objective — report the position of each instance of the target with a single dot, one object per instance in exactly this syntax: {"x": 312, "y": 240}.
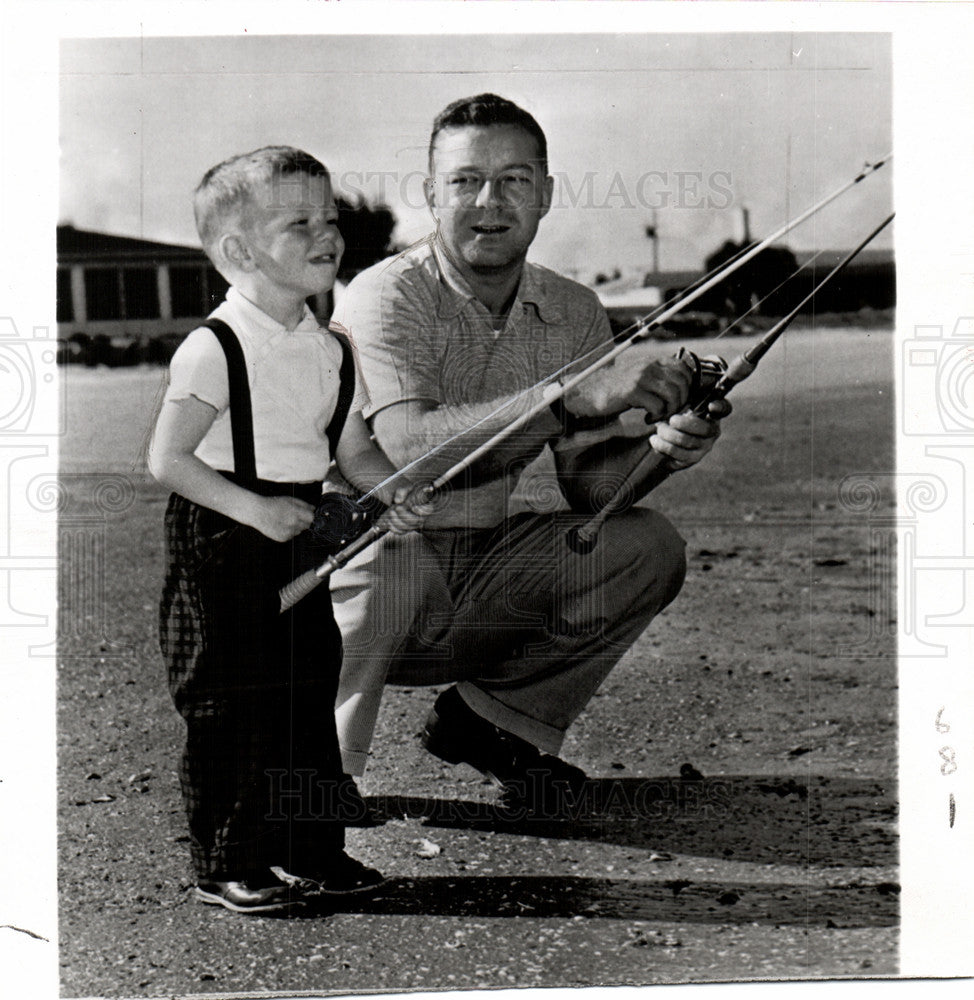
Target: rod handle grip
{"x": 298, "y": 588}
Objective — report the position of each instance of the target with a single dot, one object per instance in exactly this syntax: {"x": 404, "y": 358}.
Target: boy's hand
{"x": 411, "y": 505}
{"x": 282, "y": 518}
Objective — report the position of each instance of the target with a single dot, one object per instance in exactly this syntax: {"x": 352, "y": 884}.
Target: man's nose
{"x": 489, "y": 194}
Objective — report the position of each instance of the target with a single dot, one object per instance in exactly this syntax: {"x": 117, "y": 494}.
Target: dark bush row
{"x": 117, "y": 352}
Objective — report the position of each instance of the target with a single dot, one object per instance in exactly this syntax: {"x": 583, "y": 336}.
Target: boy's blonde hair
{"x": 226, "y": 190}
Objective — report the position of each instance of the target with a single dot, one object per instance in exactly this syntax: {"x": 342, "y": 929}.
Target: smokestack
{"x": 746, "y": 219}
{"x": 652, "y": 234}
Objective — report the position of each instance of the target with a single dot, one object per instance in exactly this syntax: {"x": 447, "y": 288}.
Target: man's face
{"x": 488, "y": 193}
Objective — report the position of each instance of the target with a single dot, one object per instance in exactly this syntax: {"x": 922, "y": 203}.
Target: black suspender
{"x": 346, "y": 390}
{"x": 241, "y": 412}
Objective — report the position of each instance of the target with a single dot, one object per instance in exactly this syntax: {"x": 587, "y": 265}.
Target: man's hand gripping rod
{"x": 654, "y": 467}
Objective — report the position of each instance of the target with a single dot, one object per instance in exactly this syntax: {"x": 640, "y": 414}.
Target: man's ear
{"x": 236, "y": 251}
{"x": 429, "y": 193}
{"x": 548, "y": 193}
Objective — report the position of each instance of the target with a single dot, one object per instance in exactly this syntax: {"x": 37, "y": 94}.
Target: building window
{"x": 141, "y": 293}
{"x": 65, "y": 304}
{"x": 102, "y": 293}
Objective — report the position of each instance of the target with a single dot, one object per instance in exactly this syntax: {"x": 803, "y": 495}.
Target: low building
{"x": 122, "y": 287}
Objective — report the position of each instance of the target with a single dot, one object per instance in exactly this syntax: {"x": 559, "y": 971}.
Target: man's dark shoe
{"x": 340, "y": 876}
{"x": 239, "y": 897}
{"x": 455, "y": 733}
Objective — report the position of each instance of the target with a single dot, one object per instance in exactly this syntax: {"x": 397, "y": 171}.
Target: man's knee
{"x": 645, "y": 546}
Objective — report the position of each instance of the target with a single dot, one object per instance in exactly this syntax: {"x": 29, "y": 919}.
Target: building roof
{"x": 81, "y": 245}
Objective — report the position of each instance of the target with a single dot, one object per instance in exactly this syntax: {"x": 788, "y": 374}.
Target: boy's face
{"x": 292, "y": 231}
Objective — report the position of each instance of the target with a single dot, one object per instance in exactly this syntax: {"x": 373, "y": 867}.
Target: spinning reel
{"x": 338, "y": 520}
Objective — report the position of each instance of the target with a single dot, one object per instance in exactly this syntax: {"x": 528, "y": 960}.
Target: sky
{"x": 677, "y": 129}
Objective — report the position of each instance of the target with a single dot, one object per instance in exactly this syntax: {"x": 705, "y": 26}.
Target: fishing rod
{"x": 654, "y": 466}
{"x": 345, "y": 524}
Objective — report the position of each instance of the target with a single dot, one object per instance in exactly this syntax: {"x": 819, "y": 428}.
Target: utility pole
{"x": 653, "y": 235}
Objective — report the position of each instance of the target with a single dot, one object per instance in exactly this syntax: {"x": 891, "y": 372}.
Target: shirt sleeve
{"x": 360, "y": 394}
{"x": 597, "y": 329}
{"x": 391, "y": 319}
{"x": 199, "y": 368}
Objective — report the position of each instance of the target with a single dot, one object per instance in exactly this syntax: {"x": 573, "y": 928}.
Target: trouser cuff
{"x": 540, "y": 734}
{"x": 354, "y": 761}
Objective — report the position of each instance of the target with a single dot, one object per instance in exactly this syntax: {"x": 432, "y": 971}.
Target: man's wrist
{"x": 573, "y": 423}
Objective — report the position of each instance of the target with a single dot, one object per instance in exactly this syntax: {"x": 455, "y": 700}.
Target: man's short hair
{"x": 488, "y": 109}
{"x": 226, "y": 189}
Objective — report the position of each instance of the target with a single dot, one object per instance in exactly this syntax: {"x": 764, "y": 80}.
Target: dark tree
{"x": 367, "y": 233}
{"x": 758, "y": 278}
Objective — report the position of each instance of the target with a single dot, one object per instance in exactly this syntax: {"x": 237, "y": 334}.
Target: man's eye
{"x": 458, "y": 181}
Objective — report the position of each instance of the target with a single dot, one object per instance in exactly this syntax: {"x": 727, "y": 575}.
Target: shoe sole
{"x": 213, "y": 899}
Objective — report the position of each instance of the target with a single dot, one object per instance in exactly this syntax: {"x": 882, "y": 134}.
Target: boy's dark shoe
{"x": 340, "y": 876}
{"x": 455, "y": 733}
{"x": 239, "y": 897}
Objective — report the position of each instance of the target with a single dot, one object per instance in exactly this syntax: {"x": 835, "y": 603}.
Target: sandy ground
{"x": 773, "y": 674}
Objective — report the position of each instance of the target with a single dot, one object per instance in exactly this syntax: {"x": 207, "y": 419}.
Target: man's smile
{"x": 490, "y": 230}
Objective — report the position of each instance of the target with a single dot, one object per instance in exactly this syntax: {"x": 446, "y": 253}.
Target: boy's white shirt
{"x": 294, "y": 380}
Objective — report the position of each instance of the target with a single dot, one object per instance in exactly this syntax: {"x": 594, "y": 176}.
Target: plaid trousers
{"x": 261, "y": 774}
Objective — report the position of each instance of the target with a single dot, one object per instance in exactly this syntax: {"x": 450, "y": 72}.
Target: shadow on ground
{"x": 836, "y": 822}
{"x": 677, "y": 901}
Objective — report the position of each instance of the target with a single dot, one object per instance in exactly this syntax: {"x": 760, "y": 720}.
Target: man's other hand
{"x": 685, "y": 438}
{"x": 637, "y": 377}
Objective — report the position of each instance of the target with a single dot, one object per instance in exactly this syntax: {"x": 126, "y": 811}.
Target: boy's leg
{"x": 229, "y": 654}
{"x": 201, "y": 621}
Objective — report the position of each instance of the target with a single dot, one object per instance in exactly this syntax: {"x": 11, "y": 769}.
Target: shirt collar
{"x": 455, "y": 293}
{"x": 259, "y": 321}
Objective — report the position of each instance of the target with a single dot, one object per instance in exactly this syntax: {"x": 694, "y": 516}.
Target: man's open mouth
{"x": 490, "y": 230}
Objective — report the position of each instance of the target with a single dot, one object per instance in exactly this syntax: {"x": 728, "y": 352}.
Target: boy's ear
{"x": 236, "y": 251}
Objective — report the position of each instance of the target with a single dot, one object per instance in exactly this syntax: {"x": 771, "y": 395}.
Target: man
{"x": 447, "y": 334}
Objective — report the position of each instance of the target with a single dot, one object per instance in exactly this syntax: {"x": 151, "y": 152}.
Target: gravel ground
{"x": 773, "y": 675}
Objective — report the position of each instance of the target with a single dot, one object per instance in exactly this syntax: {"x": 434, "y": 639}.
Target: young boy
{"x": 243, "y": 442}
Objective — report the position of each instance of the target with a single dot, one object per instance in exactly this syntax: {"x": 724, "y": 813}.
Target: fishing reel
{"x": 338, "y": 520}
{"x": 706, "y": 374}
